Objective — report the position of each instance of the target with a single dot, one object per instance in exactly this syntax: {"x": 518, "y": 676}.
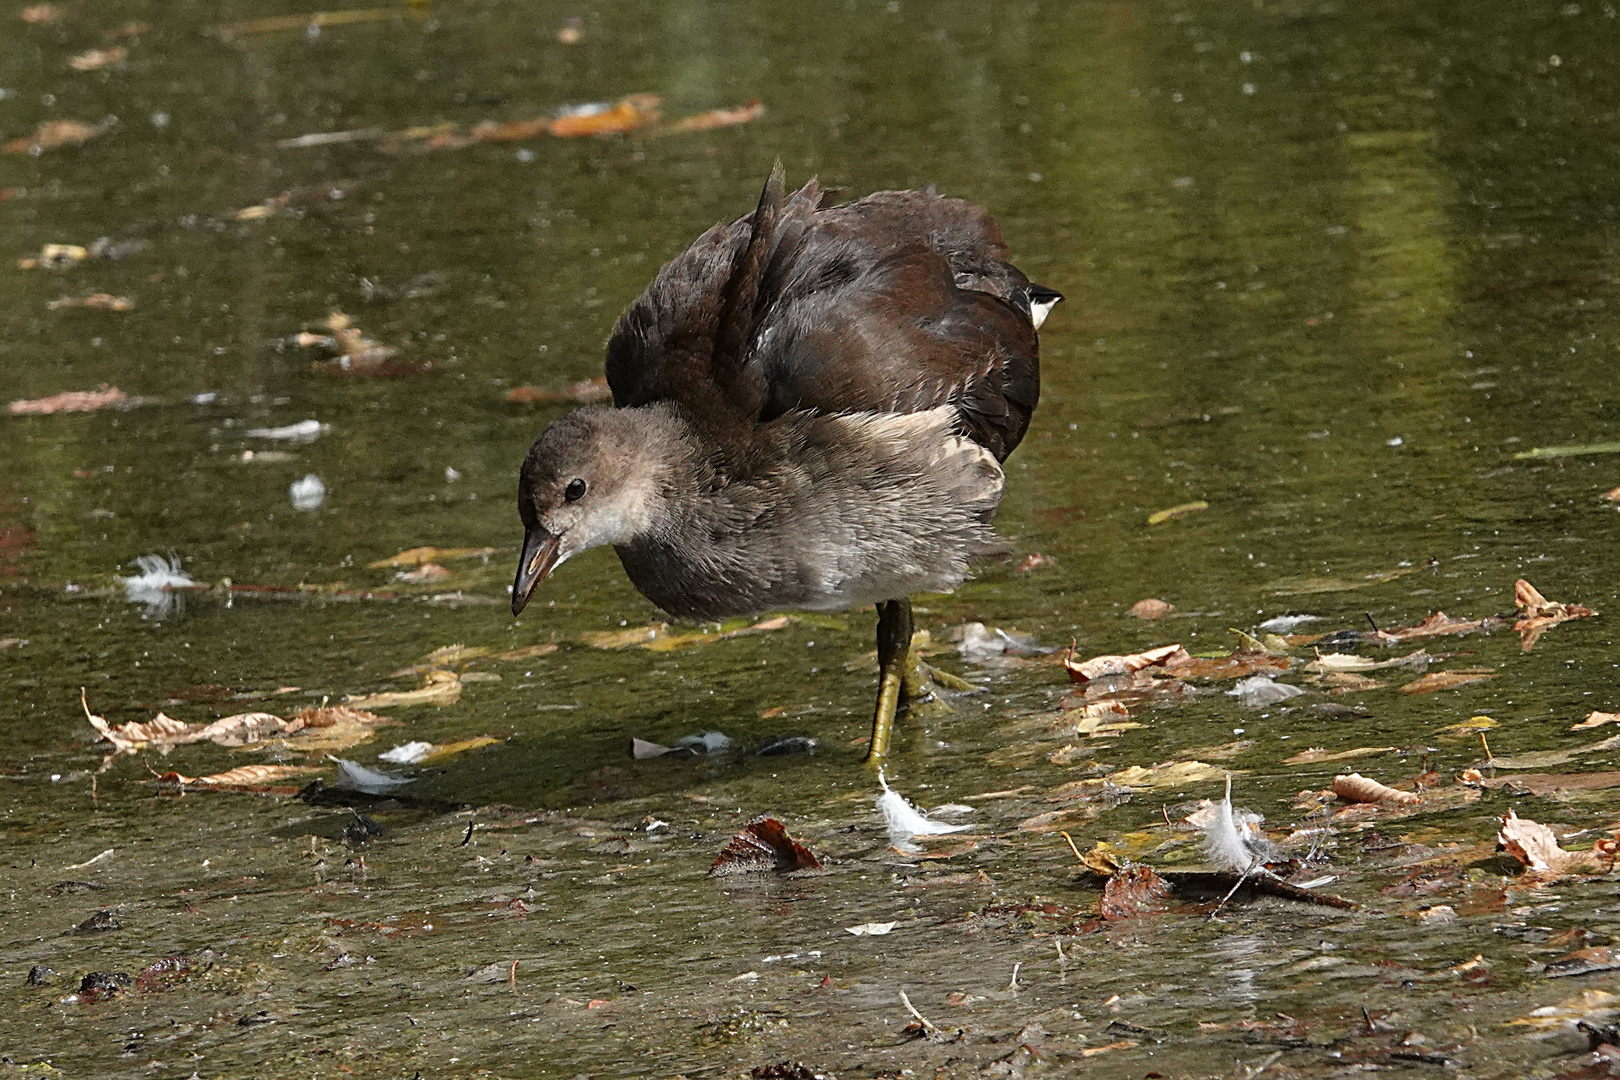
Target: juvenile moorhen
{"x": 811, "y": 408}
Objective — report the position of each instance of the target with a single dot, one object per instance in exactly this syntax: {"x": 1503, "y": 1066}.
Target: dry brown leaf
{"x": 161, "y": 731}
{"x": 528, "y": 652}
{"x": 719, "y": 118}
{"x": 1536, "y": 846}
{"x": 95, "y": 301}
{"x": 426, "y": 574}
{"x": 1438, "y": 625}
{"x": 1320, "y": 754}
{"x": 447, "y": 656}
{"x": 1344, "y": 682}
{"x": 1537, "y": 614}
{"x": 96, "y": 59}
{"x": 1596, "y": 719}
{"x": 585, "y": 392}
{"x": 40, "y": 13}
{"x": 438, "y": 688}
{"x": 763, "y": 844}
{"x": 53, "y": 134}
{"x": 1133, "y": 891}
{"x": 1152, "y": 608}
{"x": 627, "y": 114}
{"x": 243, "y": 729}
{"x": 1099, "y": 667}
{"x": 1446, "y": 680}
{"x": 68, "y": 401}
{"x": 55, "y": 257}
{"x": 1355, "y": 788}
{"x": 1169, "y": 775}
{"x": 417, "y": 556}
{"x": 245, "y": 775}
{"x": 618, "y": 639}
{"x": 1546, "y": 785}
{"x": 1237, "y": 665}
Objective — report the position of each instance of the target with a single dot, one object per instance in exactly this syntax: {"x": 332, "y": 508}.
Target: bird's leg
{"x": 894, "y": 649}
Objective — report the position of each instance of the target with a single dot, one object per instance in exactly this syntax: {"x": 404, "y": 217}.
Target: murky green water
{"x": 1329, "y": 268}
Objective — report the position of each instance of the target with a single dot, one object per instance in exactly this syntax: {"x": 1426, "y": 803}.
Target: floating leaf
{"x": 585, "y": 392}
{"x": 719, "y": 118}
{"x": 1182, "y": 510}
{"x": 1168, "y": 775}
{"x": 1310, "y": 586}
{"x": 1328, "y": 663}
{"x": 1319, "y": 754}
{"x": 315, "y": 19}
{"x": 1537, "y": 614}
{"x": 1596, "y": 719}
{"x": 438, "y": 688}
{"x": 762, "y": 845}
{"x": 1356, "y": 788}
{"x": 96, "y": 59}
{"x": 1134, "y": 891}
{"x": 1098, "y": 667}
{"x": 441, "y": 751}
{"x": 68, "y": 401}
{"x": 95, "y": 301}
{"x": 52, "y": 135}
{"x": 417, "y": 556}
{"x": 1536, "y": 846}
{"x": 600, "y": 118}
{"x": 1567, "y": 451}
{"x": 1438, "y": 625}
{"x": 1152, "y": 608}
{"x": 1446, "y": 680}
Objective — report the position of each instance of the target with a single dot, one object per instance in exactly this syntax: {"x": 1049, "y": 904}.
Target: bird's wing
{"x": 900, "y": 302}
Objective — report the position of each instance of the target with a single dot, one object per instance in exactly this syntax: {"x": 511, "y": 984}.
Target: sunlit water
{"x": 1328, "y": 270}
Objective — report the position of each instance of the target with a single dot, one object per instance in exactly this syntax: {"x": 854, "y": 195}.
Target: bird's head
{"x": 597, "y": 476}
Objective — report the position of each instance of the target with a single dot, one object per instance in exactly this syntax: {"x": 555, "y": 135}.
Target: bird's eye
{"x": 575, "y": 490}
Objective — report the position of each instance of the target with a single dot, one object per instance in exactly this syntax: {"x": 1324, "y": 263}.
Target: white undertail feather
{"x": 905, "y": 821}
{"x": 1232, "y": 839}
{"x": 1039, "y": 310}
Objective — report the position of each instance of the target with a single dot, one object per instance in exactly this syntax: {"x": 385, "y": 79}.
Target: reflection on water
{"x": 1328, "y": 270}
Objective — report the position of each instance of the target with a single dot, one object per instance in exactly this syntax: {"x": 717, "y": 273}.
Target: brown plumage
{"x": 810, "y": 411}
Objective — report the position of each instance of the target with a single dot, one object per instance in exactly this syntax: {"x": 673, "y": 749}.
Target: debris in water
{"x": 426, "y": 574}
{"x": 1132, "y": 891}
{"x": 1596, "y": 719}
{"x": 905, "y": 821}
{"x": 871, "y": 929}
{"x": 1319, "y": 754}
{"x": 1151, "y": 608}
{"x": 763, "y": 845}
{"x": 979, "y": 644}
{"x": 40, "y": 13}
{"x": 1355, "y": 788}
{"x": 53, "y": 134}
{"x": 96, "y": 59}
{"x": 353, "y": 776}
{"x": 1099, "y": 667}
{"x": 307, "y": 493}
{"x": 417, "y": 556}
{"x": 69, "y": 401}
{"x": 1258, "y": 691}
{"x": 302, "y": 432}
{"x": 572, "y": 32}
{"x": 585, "y": 392}
{"x": 155, "y": 585}
{"x": 607, "y": 118}
{"x": 438, "y": 688}
{"x": 1232, "y": 838}
{"x": 1438, "y": 624}
{"x": 1537, "y": 614}
{"x": 407, "y": 753}
{"x": 95, "y": 301}
{"x": 1181, "y": 510}
{"x": 784, "y": 745}
{"x": 1536, "y": 846}
{"x": 718, "y": 118}
{"x": 1446, "y": 680}
{"x": 1285, "y": 624}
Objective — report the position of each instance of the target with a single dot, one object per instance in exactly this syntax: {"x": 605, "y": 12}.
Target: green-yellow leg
{"x": 894, "y": 649}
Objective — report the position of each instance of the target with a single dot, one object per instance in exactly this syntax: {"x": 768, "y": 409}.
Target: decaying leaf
{"x": 1467, "y": 729}
{"x": 95, "y": 301}
{"x": 1313, "y": 585}
{"x": 528, "y": 652}
{"x": 53, "y": 134}
{"x": 1096, "y": 718}
{"x": 418, "y": 555}
{"x": 1169, "y": 775}
{"x": 762, "y": 845}
{"x": 1152, "y": 608}
{"x": 1545, "y": 785}
{"x": 1536, "y": 846}
{"x": 1342, "y": 663}
{"x": 1355, "y": 788}
{"x": 1345, "y": 682}
{"x": 40, "y": 13}
{"x": 1132, "y": 891}
{"x": 426, "y": 574}
{"x": 55, "y": 257}
{"x": 1320, "y": 754}
{"x": 1583, "y": 962}
{"x": 1438, "y": 625}
{"x": 1240, "y": 664}
{"x": 1589, "y": 1004}
{"x": 449, "y": 656}
{"x": 438, "y": 688}
{"x": 1181, "y": 510}
{"x": 718, "y": 118}
{"x": 1596, "y": 719}
{"x": 255, "y": 779}
{"x": 585, "y": 392}
{"x": 1099, "y": 667}
{"x": 133, "y": 736}
{"x": 96, "y": 59}
{"x": 601, "y": 118}
{"x": 1446, "y": 680}
{"x": 1537, "y": 614}
{"x": 357, "y": 353}
{"x": 68, "y": 401}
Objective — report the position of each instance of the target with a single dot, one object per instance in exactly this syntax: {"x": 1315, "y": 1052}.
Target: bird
{"x": 811, "y": 407}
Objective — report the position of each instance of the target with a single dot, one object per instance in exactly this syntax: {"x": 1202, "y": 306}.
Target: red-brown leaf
{"x": 763, "y": 845}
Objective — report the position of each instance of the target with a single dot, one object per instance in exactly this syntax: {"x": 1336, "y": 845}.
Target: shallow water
{"x": 1328, "y": 270}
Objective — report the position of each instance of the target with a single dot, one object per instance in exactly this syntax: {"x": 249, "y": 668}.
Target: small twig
{"x": 465, "y": 840}
{"x": 511, "y": 979}
{"x": 94, "y": 805}
{"x": 1233, "y": 890}
{"x": 1013, "y": 985}
{"x": 1250, "y": 1072}
{"x": 1374, "y": 624}
{"x": 928, "y": 1025}
{"x": 1072, "y": 848}
{"x": 1059, "y": 943}
{"x": 1487, "y": 747}
{"x": 1165, "y": 810}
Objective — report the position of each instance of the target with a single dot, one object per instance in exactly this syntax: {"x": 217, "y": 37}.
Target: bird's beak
{"x": 539, "y": 556}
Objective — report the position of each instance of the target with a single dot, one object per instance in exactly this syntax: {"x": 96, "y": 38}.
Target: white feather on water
{"x": 905, "y": 820}
{"x": 154, "y": 586}
{"x": 1232, "y": 838}
{"x": 357, "y": 777}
